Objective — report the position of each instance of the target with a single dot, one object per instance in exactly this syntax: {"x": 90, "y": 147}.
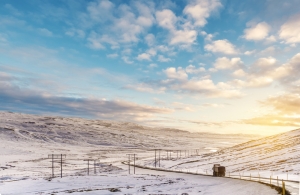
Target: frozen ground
{"x": 275, "y": 156}
{"x": 26, "y": 140}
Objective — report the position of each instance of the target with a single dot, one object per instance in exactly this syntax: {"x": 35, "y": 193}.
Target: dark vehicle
{"x": 218, "y": 170}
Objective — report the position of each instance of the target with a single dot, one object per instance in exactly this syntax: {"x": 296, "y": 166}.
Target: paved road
{"x": 293, "y": 187}
{"x": 213, "y": 184}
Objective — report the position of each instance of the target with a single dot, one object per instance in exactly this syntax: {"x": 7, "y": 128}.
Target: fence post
{"x": 240, "y": 175}
{"x": 259, "y": 177}
{"x": 283, "y": 188}
{"x": 277, "y": 181}
{"x": 250, "y": 176}
{"x": 270, "y": 179}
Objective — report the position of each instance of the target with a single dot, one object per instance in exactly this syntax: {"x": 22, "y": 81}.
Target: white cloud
{"x": 161, "y": 58}
{"x": 290, "y": 31}
{"x": 178, "y": 74}
{"x": 193, "y": 70}
{"x": 94, "y": 41}
{"x": 200, "y": 10}
{"x": 152, "y": 66}
{"x": 221, "y": 46}
{"x": 265, "y": 62}
{"x": 239, "y": 73}
{"x": 45, "y": 32}
{"x": 75, "y": 32}
{"x": 248, "y": 53}
{"x": 144, "y": 56}
{"x": 151, "y": 51}
{"x": 183, "y": 36}
{"x": 113, "y": 55}
{"x": 150, "y": 39}
{"x": 143, "y": 87}
{"x": 269, "y": 51}
{"x": 166, "y": 19}
{"x": 257, "y": 32}
{"x": 271, "y": 39}
{"x": 123, "y": 24}
{"x": 226, "y": 63}
{"x": 127, "y": 60}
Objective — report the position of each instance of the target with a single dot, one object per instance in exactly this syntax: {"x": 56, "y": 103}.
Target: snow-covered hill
{"x": 274, "y": 154}
{"x": 26, "y": 140}
{"x": 83, "y": 132}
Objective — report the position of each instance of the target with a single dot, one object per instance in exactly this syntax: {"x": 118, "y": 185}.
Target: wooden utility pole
{"x": 57, "y": 156}
{"x": 134, "y": 163}
{"x": 129, "y": 158}
{"x": 155, "y": 158}
{"x": 128, "y": 163}
{"x": 159, "y": 158}
{"x": 283, "y": 188}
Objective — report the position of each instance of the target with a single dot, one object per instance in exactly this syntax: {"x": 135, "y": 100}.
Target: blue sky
{"x": 199, "y": 65}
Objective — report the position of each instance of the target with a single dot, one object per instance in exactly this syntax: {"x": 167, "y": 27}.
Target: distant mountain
{"x": 18, "y": 127}
{"x": 272, "y": 153}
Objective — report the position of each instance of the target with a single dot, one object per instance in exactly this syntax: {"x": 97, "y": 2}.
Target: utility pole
{"x": 155, "y": 157}
{"x": 88, "y": 168}
{"x": 57, "y": 156}
{"x": 129, "y": 158}
{"x": 88, "y": 160}
{"x": 52, "y": 165}
{"x": 128, "y": 163}
{"x": 95, "y": 167}
{"x": 134, "y": 163}
{"x": 159, "y": 158}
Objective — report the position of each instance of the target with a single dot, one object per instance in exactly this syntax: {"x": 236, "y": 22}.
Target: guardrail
{"x": 279, "y": 189}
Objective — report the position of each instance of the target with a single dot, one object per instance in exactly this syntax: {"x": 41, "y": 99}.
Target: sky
{"x": 219, "y": 66}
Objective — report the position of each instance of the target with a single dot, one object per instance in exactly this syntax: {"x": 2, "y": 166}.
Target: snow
{"x": 26, "y": 140}
{"x": 275, "y": 156}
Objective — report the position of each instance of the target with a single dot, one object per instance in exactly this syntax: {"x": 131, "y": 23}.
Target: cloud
{"x": 221, "y": 46}
{"x": 75, "y": 33}
{"x": 161, "y": 58}
{"x": 16, "y": 99}
{"x": 200, "y": 10}
{"x": 285, "y": 111}
{"x": 265, "y": 62}
{"x": 144, "y": 56}
{"x": 183, "y": 29}
{"x": 166, "y": 19}
{"x": 190, "y": 69}
{"x": 290, "y": 30}
{"x": 183, "y": 36}
{"x": 257, "y": 32}
{"x": 127, "y": 60}
{"x": 150, "y": 39}
{"x": 239, "y": 73}
{"x": 225, "y": 63}
{"x": 95, "y": 42}
{"x": 45, "y": 32}
{"x": 143, "y": 87}
{"x": 173, "y": 73}
{"x": 124, "y": 24}
{"x": 152, "y": 66}
{"x": 177, "y": 80}
{"x": 248, "y": 53}
{"x": 113, "y": 55}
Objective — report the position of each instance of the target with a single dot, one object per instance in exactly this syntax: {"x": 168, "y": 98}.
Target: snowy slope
{"x": 83, "y": 132}
{"x": 278, "y": 154}
{"x": 26, "y": 140}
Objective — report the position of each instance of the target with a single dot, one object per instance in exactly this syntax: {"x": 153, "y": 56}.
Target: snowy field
{"x": 27, "y": 140}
